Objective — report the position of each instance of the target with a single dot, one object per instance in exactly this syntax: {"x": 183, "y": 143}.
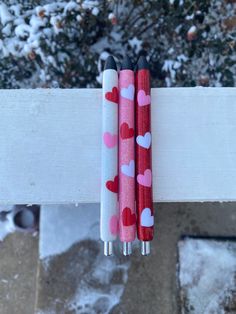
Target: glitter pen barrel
{"x": 144, "y": 200}
{"x": 127, "y": 225}
{"x": 109, "y": 165}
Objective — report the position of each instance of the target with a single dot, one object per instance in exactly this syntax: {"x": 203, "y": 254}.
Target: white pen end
{"x": 108, "y": 250}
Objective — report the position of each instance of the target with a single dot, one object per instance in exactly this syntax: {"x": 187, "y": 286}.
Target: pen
{"x": 144, "y": 202}
{"x": 127, "y": 226}
{"x": 109, "y": 165}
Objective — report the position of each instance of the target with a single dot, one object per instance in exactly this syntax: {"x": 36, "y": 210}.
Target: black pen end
{"x": 142, "y": 63}
{"x": 127, "y": 64}
{"x": 110, "y": 64}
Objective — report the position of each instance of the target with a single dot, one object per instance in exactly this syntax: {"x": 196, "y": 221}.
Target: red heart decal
{"x": 113, "y": 95}
{"x": 128, "y": 218}
{"x": 113, "y": 185}
{"x": 126, "y": 131}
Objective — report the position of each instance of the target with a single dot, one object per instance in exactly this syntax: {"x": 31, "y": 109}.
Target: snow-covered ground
{"x": 207, "y": 276}
{"x": 7, "y": 225}
{"x": 100, "y": 281}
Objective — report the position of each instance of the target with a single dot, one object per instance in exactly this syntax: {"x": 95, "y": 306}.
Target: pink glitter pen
{"x": 127, "y": 228}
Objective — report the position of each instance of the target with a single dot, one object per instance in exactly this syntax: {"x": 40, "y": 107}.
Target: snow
{"x": 50, "y": 7}
{"x": 7, "y": 225}
{"x": 168, "y": 81}
{"x": 189, "y": 17}
{"x": 176, "y": 65}
{"x": 62, "y": 57}
{"x": 102, "y": 299}
{"x": 29, "y": 28}
{"x": 111, "y": 16}
{"x": 61, "y": 227}
{"x": 79, "y": 18}
{"x": 7, "y": 30}
{"x": 56, "y": 26}
{"x": 89, "y": 4}
{"x": 81, "y": 217}
{"x": 54, "y": 20}
{"x": 169, "y": 66}
{"x": 22, "y": 30}
{"x": 5, "y": 15}
{"x": 70, "y": 6}
{"x": 36, "y": 22}
{"x": 171, "y": 50}
{"x": 182, "y": 58}
{"x": 104, "y": 55}
{"x": 192, "y": 29}
{"x": 207, "y": 270}
{"x": 95, "y": 11}
{"x": 99, "y": 78}
{"x": 4, "y": 281}
{"x": 16, "y": 9}
{"x": 39, "y": 9}
{"x": 136, "y": 44}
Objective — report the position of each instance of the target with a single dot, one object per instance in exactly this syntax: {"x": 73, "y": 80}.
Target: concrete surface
{"x": 157, "y": 274}
{"x": 152, "y": 285}
{"x": 18, "y": 269}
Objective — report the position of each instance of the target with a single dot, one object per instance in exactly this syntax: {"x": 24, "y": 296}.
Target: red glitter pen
{"x": 144, "y": 201}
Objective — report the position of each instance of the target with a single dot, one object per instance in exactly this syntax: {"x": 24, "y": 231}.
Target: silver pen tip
{"x": 108, "y": 248}
{"x": 145, "y": 248}
{"x": 127, "y": 248}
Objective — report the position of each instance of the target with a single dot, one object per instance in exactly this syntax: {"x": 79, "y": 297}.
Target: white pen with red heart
{"x": 109, "y": 165}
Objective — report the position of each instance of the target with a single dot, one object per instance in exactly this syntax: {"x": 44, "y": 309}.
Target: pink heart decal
{"x": 128, "y": 92}
{"x": 143, "y": 99}
{"x": 110, "y": 140}
{"x": 114, "y": 225}
{"x": 146, "y": 178}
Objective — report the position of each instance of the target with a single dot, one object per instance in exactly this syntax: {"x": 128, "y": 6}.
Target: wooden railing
{"x": 50, "y": 142}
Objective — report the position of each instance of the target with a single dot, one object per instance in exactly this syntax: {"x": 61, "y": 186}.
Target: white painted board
{"x": 50, "y": 143}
